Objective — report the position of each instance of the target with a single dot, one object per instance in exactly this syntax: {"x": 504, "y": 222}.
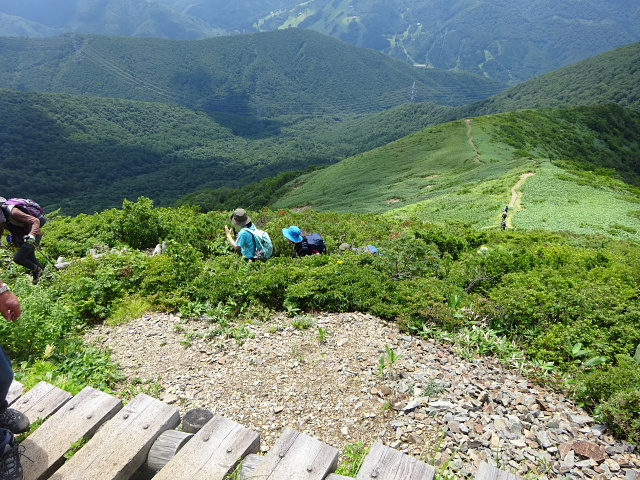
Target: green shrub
{"x": 600, "y": 385}
{"x": 129, "y": 309}
{"x": 622, "y": 412}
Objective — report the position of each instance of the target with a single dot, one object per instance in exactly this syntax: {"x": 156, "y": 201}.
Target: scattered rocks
{"x": 430, "y": 403}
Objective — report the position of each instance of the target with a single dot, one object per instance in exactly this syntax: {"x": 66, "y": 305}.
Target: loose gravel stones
{"x": 337, "y": 382}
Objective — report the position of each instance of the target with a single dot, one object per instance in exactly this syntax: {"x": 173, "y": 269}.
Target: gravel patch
{"x": 325, "y": 381}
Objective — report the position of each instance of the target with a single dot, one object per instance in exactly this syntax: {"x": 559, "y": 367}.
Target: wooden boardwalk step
{"x": 15, "y": 390}
{"x": 79, "y": 418}
{"x": 251, "y": 461}
{"x": 120, "y": 439}
{"x": 121, "y": 446}
{"x": 489, "y": 472}
{"x": 296, "y": 456}
{"x": 385, "y": 463}
{"x": 212, "y": 452}
{"x": 41, "y": 401}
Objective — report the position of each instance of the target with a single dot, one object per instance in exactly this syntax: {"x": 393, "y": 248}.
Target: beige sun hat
{"x": 240, "y": 217}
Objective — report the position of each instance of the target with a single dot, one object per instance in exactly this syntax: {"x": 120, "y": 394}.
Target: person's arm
{"x": 9, "y": 303}
{"x": 19, "y": 216}
{"x": 230, "y": 238}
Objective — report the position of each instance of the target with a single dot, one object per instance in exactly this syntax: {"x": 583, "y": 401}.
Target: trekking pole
{"x": 47, "y": 257}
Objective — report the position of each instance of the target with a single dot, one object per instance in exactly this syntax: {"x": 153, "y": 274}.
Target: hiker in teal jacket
{"x": 244, "y": 241}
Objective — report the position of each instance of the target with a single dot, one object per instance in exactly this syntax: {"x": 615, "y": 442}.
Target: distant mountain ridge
{"x": 291, "y": 71}
{"x": 508, "y": 40}
{"x": 100, "y": 17}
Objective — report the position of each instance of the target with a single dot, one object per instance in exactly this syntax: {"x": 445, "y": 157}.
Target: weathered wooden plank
{"x": 251, "y": 462}
{"x": 385, "y": 463}
{"x": 41, "y": 401}
{"x": 15, "y": 390}
{"x": 212, "y": 452}
{"x": 78, "y": 418}
{"x": 489, "y": 472}
{"x": 121, "y": 446}
{"x": 296, "y": 456}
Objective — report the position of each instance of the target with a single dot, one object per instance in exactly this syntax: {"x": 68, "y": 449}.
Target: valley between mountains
{"x": 325, "y": 381}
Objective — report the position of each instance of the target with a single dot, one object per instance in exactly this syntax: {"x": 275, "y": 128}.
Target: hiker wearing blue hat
{"x": 312, "y": 244}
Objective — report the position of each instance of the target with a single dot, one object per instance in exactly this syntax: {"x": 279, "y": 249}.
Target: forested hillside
{"x": 86, "y": 154}
{"x": 258, "y": 76}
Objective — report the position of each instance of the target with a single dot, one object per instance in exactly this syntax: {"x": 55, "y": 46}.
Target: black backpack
{"x": 312, "y": 244}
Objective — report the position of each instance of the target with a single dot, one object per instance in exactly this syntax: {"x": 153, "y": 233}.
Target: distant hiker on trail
{"x": 504, "y": 215}
{"x": 312, "y": 244}
{"x": 503, "y": 225}
{"x": 254, "y": 244}
{"x": 23, "y": 218}
{"x": 11, "y": 421}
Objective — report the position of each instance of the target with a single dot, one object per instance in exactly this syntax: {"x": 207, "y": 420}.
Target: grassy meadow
{"x": 463, "y": 172}
{"x": 555, "y": 200}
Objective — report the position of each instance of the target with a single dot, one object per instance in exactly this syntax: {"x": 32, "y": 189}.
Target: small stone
{"x": 588, "y": 449}
{"x": 385, "y": 391}
{"x": 613, "y": 465}
{"x": 581, "y": 419}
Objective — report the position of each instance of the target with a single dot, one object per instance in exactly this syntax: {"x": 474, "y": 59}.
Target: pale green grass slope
{"x": 453, "y": 173}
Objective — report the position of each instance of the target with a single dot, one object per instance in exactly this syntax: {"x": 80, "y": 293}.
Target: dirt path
{"x": 476, "y": 151}
{"x": 516, "y": 196}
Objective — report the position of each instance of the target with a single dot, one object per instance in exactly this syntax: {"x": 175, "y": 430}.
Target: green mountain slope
{"x": 260, "y": 75}
{"x": 468, "y": 170}
{"x": 85, "y": 154}
{"x": 611, "y": 77}
{"x": 607, "y": 78}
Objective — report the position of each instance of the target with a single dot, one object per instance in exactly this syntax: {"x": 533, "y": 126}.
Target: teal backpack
{"x": 263, "y": 244}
